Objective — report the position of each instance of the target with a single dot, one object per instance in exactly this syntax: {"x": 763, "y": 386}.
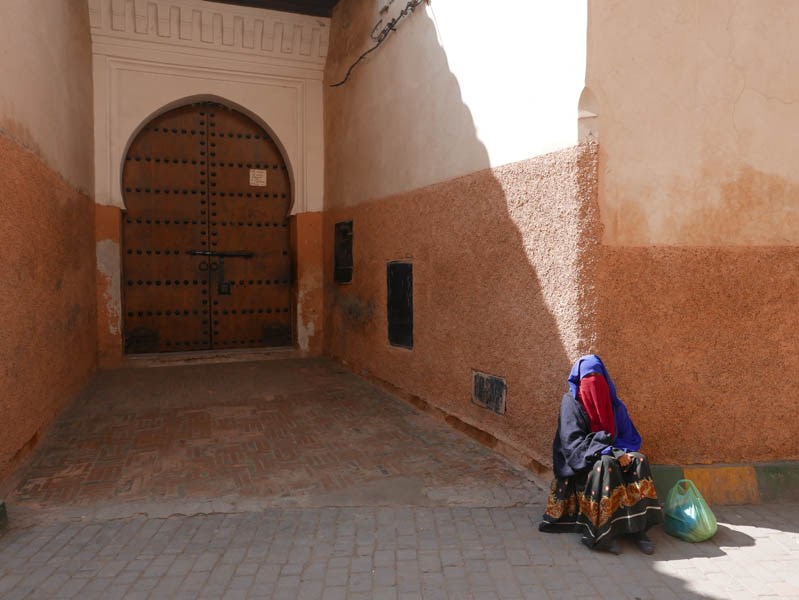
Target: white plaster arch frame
{"x": 149, "y": 55}
{"x": 220, "y": 100}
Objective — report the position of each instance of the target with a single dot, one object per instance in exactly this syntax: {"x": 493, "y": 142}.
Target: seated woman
{"x": 603, "y": 486}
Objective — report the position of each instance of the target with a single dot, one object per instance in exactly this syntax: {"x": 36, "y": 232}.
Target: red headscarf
{"x": 595, "y": 398}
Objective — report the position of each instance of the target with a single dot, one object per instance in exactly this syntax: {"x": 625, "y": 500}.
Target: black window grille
{"x": 400, "y": 304}
{"x": 342, "y": 269}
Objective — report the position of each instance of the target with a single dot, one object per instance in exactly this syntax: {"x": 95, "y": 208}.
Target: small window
{"x": 400, "y": 304}
{"x": 342, "y": 269}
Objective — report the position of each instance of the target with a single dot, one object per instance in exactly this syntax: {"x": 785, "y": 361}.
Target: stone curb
{"x": 734, "y": 484}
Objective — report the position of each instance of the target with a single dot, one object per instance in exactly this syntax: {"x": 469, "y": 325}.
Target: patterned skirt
{"x": 605, "y": 502}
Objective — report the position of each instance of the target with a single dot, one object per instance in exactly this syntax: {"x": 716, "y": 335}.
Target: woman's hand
{"x": 625, "y": 459}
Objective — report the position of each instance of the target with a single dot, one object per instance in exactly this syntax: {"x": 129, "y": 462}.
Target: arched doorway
{"x": 206, "y": 257}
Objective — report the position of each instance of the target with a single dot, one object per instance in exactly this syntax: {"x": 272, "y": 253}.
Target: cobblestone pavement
{"x": 390, "y": 552}
{"x": 443, "y": 518}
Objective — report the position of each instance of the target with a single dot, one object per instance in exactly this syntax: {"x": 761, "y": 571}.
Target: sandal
{"x": 644, "y": 544}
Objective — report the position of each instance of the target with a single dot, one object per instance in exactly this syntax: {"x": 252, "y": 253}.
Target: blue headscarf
{"x": 627, "y": 436}
{"x": 591, "y": 363}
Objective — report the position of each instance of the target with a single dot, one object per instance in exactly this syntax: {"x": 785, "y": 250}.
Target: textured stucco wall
{"x": 699, "y": 198}
{"x": 701, "y": 343}
{"x": 499, "y": 265}
{"x": 683, "y": 280}
{"x": 48, "y": 341}
{"x": 454, "y": 90}
{"x": 451, "y": 148}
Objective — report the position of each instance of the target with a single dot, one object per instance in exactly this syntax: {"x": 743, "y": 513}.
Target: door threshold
{"x": 199, "y": 357}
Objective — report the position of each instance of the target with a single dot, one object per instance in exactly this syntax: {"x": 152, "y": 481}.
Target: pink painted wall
{"x": 696, "y": 283}
{"x": 702, "y": 343}
{"x": 498, "y": 252}
{"x": 497, "y": 260}
{"x": 695, "y": 102}
{"x": 668, "y": 251}
{"x": 48, "y": 341}
{"x": 47, "y": 346}
{"x": 45, "y": 50}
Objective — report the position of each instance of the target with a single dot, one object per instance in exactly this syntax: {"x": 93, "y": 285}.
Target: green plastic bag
{"x": 687, "y": 515}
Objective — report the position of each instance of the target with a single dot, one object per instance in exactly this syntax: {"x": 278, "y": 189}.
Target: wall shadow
{"x": 499, "y": 254}
{"x": 671, "y": 548}
{"x": 700, "y": 229}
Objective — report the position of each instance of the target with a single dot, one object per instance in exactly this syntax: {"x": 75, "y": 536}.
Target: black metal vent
{"x": 489, "y": 391}
{"x": 400, "y": 304}
{"x": 342, "y": 272}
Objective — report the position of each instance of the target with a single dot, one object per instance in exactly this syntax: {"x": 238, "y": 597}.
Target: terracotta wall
{"x": 498, "y": 261}
{"x": 682, "y": 276}
{"x": 419, "y": 157}
{"x": 697, "y": 281}
{"x": 702, "y": 346}
{"x": 307, "y": 257}
{"x": 47, "y": 342}
{"x": 108, "y": 280}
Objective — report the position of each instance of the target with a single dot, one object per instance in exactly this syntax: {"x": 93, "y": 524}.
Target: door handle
{"x": 223, "y": 288}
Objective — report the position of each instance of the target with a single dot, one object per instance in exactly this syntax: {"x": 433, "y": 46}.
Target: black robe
{"x": 592, "y": 493}
{"x": 576, "y": 448}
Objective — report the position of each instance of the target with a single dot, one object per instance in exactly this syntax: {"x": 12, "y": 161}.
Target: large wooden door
{"x": 205, "y": 235}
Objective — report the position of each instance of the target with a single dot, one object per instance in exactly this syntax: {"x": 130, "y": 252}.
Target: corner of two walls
{"x": 501, "y": 254}
{"x": 696, "y": 282}
{"x": 684, "y": 284}
{"x": 500, "y": 261}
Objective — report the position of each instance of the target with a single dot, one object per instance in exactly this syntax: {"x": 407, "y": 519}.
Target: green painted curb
{"x": 778, "y": 482}
{"x": 665, "y": 476}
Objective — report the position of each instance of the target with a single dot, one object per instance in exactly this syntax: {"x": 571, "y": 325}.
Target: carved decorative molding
{"x": 202, "y": 25}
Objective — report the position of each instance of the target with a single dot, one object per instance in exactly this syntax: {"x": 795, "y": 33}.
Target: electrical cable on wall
{"x": 382, "y": 35}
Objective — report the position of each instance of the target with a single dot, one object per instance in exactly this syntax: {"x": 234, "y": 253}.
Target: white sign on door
{"x": 258, "y": 177}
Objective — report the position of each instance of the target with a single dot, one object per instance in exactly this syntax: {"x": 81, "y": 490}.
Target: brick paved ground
{"x": 288, "y": 433}
{"x": 408, "y": 508}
